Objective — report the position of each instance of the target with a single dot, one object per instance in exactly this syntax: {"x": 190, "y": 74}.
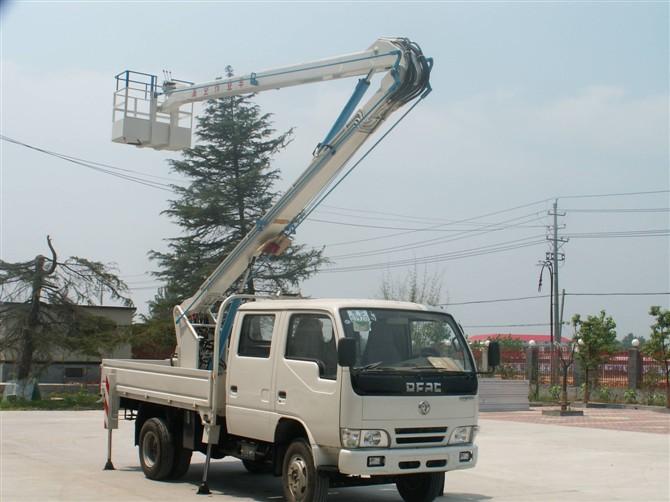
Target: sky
{"x": 531, "y": 102}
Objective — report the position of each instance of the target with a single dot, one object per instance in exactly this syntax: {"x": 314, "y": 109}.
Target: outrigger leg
{"x": 108, "y": 465}
{"x": 203, "y": 489}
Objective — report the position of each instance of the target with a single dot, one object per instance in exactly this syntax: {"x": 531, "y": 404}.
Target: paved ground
{"x": 59, "y": 456}
{"x": 642, "y": 420}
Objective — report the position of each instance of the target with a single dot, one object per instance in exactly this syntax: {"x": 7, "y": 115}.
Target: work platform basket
{"x": 137, "y": 119}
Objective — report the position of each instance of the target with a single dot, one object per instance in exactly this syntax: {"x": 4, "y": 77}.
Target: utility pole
{"x": 554, "y": 257}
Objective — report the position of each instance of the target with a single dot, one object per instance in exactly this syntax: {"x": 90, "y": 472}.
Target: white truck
{"x": 321, "y": 392}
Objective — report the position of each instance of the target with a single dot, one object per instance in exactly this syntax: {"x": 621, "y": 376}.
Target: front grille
{"x": 420, "y": 439}
{"x": 420, "y": 430}
{"x": 417, "y": 436}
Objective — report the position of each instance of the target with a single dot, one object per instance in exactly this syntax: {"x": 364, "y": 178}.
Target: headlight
{"x": 462, "y": 435}
{"x": 350, "y": 437}
{"x": 366, "y": 438}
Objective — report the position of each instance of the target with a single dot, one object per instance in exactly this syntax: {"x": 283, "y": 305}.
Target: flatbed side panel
{"x": 158, "y": 382}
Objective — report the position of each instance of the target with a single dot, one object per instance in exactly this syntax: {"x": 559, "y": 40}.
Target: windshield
{"x": 406, "y": 340}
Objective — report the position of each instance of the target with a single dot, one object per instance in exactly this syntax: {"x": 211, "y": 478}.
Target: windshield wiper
{"x": 437, "y": 368}
{"x": 368, "y": 366}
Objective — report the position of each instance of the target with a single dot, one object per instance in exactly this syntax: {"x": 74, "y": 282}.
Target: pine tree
{"x": 231, "y": 187}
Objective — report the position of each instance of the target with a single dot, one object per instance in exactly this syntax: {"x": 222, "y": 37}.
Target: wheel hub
{"x": 297, "y": 477}
{"x": 150, "y": 449}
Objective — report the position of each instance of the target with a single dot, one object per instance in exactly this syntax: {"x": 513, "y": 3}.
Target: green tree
{"x": 425, "y": 288}
{"x": 658, "y": 346}
{"x": 40, "y": 309}
{"x": 596, "y": 338}
{"x": 231, "y": 186}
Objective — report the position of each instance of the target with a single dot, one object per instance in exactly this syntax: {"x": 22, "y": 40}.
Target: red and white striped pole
{"x": 110, "y": 408}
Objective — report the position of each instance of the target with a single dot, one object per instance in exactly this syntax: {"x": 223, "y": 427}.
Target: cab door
{"x": 250, "y": 391}
{"x": 307, "y": 386}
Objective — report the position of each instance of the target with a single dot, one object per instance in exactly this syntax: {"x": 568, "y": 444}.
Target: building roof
{"x": 538, "y": 338}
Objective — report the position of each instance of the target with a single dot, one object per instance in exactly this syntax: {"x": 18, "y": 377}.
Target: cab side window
{"x": 256, "y": 335}
{"x": 311, "y": 338}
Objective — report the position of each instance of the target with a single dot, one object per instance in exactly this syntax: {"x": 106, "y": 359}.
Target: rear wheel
{"x": 420, "y": 487}
{"x": 302, "y": 482}
{"x": 182, "y": 461}
{"x": 156, "y": 449}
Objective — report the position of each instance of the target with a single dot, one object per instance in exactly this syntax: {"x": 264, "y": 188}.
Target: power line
{"x": 658, "y": 232}
{"x": 621, "y": 194}
{"x": 535, "y": 297}
{"x": 423, "y": 229}
{"x": 395, "y": 217}
{"x": 466, "y": 220}
{"x": 497, "y": 300}
{"x": 117, "y": 172}
{"x": 463, "y": 234}
{"x": 358, "y": 211}
{"x": 623, "y": 210}
{"x": 496, "y": 248}
{"x": 662, "y": 293}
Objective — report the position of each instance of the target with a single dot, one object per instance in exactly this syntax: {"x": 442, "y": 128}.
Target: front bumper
{"x": 406, "y": 460}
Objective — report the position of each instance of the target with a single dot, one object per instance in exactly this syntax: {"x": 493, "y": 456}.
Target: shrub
{"x": 630, "y": 396}
{"x": 581, "y": 390}
{"x": 605, "y": 394}
{"x": 81, "y": 400}
{"x": 654, "y": 399}
{"x": 555, "y": 392}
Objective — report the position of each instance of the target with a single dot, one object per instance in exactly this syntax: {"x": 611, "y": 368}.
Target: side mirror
{"x": 346, "y": 352}
{"x": 494, "y": 354}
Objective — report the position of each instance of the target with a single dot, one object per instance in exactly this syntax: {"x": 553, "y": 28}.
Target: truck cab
{"x": 404, "y": 402}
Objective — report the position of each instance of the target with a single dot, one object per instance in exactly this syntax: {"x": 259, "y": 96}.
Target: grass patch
{"x": 81, "y": 400}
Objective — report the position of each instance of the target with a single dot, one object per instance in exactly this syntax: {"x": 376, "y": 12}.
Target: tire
{"x": 300, "y": 479}
{"x": 156, "y": 449}
{"x": 420, "y": 487}
{"x": 181, "y": 462}
{"x": 256, "y": 467}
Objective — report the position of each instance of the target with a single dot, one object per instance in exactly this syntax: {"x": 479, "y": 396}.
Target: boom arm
{"x": 382, "y": 56}
{"x": 406, "y": 78}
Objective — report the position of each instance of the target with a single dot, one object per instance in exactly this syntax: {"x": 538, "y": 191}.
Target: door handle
{"x": 281, "y": 394}
{"x": 233, "y": 388}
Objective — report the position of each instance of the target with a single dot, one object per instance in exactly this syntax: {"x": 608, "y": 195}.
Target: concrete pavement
{"x": 58, "y": 455}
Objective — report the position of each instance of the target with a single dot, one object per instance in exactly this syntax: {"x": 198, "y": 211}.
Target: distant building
{"x": 70, "y": 367}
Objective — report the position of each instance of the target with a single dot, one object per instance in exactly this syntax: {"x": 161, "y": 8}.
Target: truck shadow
{"x": 231, "y": 479}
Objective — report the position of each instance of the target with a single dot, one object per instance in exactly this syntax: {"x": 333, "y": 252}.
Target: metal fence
{"x": 614, "y": 373}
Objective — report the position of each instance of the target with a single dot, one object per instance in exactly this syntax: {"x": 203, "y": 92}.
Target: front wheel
{"x": 420, "y": 487}
{"x": 302, "y": 482}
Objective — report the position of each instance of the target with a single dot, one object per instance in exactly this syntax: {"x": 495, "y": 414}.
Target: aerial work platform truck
{"x": 322, "y": 392}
